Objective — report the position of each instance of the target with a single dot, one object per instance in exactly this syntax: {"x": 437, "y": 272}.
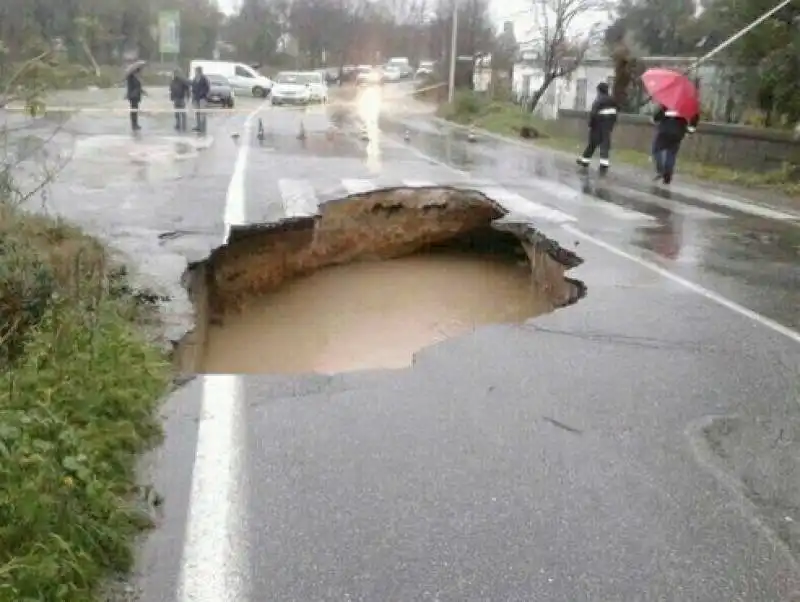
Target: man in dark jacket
{"x": 602, "y": 119}
{"x": 670, "y": 131}
{"x": 134, "y": 94}
{"x": 179, "y": 90}
{"x": 200, "y": 89}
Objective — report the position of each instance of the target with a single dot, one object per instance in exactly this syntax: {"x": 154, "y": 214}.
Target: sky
{"x": 517, "y": 11}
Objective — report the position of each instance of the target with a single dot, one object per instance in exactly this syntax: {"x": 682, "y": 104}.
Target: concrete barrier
{"x": 733, "y": 146}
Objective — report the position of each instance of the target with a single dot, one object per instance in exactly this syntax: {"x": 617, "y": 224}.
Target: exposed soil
{"x": 376, "y": 226}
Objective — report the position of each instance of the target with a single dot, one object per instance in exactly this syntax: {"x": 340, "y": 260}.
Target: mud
{"x": 229, "y": 288}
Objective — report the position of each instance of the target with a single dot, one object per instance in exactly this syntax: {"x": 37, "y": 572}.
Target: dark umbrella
{"x": 135, "y": 66}
{"x": 673, "y": 90}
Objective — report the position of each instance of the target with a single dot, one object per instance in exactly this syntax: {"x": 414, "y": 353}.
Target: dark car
{"x": 221, "y": 92}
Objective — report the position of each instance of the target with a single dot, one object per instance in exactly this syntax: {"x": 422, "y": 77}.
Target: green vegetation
{"x": 511, "y": 120}
{"x": 80, "y": 385}
{"x": 79, "y": 390}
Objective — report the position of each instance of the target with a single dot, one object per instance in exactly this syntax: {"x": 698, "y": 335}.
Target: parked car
{"x": 220, "y": 92}
{"x": 240, "y": 76}
{"x": 402, "y": 64}
{"x": 392, "y": 73}
{"x": 368, "y": 76}
{"x": 299, "y": 87}
{"x": 317, "y": 86}
{"x": 425, "y": 68}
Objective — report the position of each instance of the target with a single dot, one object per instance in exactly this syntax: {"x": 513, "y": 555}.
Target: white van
{"x": 242, "y": 77}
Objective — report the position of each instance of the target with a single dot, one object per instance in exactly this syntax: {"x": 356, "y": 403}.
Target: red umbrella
{"x": 673, "y": 90}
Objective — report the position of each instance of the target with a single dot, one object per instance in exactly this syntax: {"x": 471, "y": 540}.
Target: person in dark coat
{"x": 179, "y": 91}
{"x": 602, "y": 119}
{"x": 200, "y": 89}
{"x": 671, "y": 129}
{"x": 133, "y": 94}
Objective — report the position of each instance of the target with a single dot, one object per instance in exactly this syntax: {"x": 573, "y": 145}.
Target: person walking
{"x": 671, "y": 129}
{"x": 200, "y": 90}
{"x": 602, "y": 119}
{"x": 134, "y": 93}
{"x": 179, "y": 91}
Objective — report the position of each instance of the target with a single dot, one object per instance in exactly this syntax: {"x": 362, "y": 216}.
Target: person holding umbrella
{"x": 670, "y": 132}
{"x": 602, "y": 119}
{"x": 677, "y": 115}
{"x": 134, "y": 91}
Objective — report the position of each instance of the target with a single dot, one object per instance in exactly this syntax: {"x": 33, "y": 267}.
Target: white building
{"x": 577, "y": 91}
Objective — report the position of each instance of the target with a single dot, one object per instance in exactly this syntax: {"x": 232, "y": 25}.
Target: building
{"x": 577, "y": 90}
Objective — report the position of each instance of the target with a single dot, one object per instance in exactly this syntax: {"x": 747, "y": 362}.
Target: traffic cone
{"x": 301, "y": 135}
{"x": 407, "y": 136}
{"x": 471, "y": 134}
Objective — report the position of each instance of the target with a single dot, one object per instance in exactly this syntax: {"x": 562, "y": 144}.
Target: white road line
{"x": 742, "y": 206}
{"x": 562, "y": 191}
{"x": 418, "y": 183}
{"x": 235, "y": 198}
{"x": 696, "y": 288}
{"x": 299, "y": 197}
{"x": 211, "y": 560}
{"x": 516, "y": 203}
{"x": 688, "y": 284}
{"x": 358, "y": 186}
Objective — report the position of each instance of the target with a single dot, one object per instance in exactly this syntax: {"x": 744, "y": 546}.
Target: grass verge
{"x": 508, "y": 119}
{"x": 79, "y": 392}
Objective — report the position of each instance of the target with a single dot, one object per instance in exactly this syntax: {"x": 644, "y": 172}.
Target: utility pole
{"x": 741, "y": 33}
{"x": 451, "y": 90}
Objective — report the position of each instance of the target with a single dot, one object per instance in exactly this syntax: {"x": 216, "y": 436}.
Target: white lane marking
{"x": 358, "y": 186}
{"x": 299, "y": 197}
{"x": 516, "y": 203}
{"x": 688, "y": 284}
{"x": 696, "y": 288}
{"x": 211, "y": 560}
{"x": 562, "y": 191}
{"x": 742, "y": 206}
{"x": 673, "y": 206}
{"x": 235, "y": 197}
{"x": 418, "y": 183}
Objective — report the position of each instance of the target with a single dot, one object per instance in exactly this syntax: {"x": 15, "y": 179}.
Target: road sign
{"x": 169, "y": 32}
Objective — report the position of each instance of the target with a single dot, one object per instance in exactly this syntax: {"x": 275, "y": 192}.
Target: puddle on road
{"x": 367, "y": 283}
{"x": 373, "y": 314}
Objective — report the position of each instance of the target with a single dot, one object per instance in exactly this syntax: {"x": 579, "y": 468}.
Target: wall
{"x": 734, "y": 146}
{"x": 565, "y": 93}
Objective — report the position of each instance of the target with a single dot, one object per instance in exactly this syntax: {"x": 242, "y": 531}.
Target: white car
{"x": 240, "y": 76}
{"x": 299, "y": 87}
{"x": 316, "y": 85}
{"x": 392, "y": 74}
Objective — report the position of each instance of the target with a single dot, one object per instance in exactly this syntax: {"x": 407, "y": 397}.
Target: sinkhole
{"x": 372, "y": 279}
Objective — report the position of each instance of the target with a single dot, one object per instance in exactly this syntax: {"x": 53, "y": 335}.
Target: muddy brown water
{"x": 371, "y": 315}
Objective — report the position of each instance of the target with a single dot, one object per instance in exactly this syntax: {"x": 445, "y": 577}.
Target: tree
{"x": 559, "y": 48}
{"x": 660, "y": 27}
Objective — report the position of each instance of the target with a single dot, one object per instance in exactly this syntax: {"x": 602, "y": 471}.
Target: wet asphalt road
{"x": 642, "y": 445}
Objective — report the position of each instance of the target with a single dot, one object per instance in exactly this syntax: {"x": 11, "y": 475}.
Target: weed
{"x": 79, "y": 390}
